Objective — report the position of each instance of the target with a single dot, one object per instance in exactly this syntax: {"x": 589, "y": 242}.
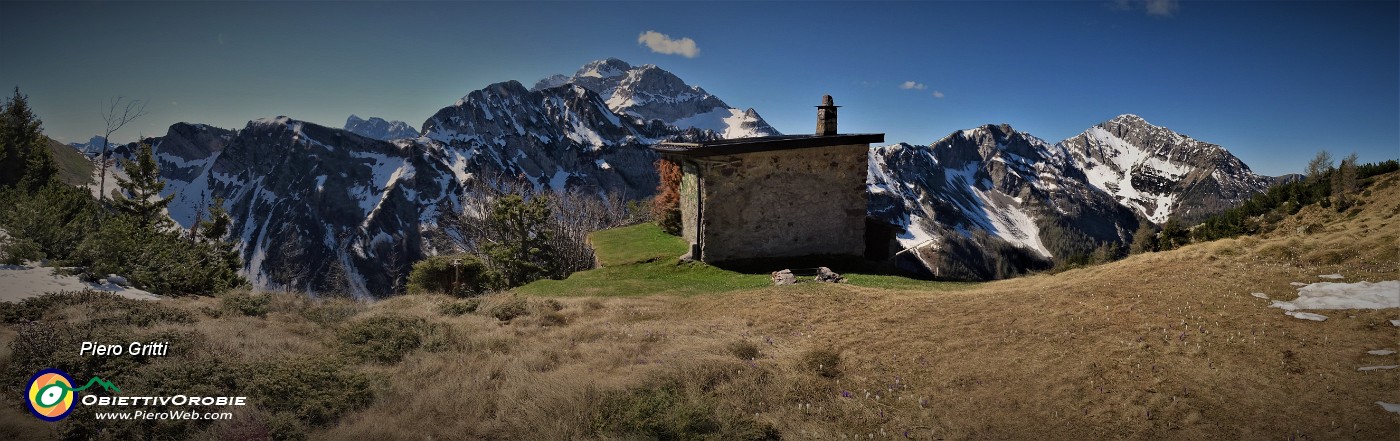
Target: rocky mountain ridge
{"x": 995, "y": 188}
{"x": 378, "y": 128}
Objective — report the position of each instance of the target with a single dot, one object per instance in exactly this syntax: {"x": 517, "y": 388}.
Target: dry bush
{"x": 821, "y": 361}
{"x": 743, "y": 349}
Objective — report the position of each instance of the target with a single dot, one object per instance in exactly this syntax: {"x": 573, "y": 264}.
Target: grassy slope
{"x": 73, "y": 168}
{"x": 1159, "y": 346}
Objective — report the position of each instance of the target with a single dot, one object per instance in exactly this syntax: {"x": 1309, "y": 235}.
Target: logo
{"x": 51, "y": 393}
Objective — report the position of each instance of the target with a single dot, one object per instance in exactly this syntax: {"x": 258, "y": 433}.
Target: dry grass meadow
{"x": 1166, "y": 345}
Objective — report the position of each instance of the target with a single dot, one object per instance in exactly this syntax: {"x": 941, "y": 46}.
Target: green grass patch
{"x": 73, "y": 167}
{"x": 640, "y": 260}
{"x": 637, "y": 243}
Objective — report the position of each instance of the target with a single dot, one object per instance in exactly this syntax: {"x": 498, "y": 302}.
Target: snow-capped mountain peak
{"x": 380, "y": 129}
{"x": 647, "y": 92}
{"x": 607, "y": 68}
{"x": 1161, "y": 173}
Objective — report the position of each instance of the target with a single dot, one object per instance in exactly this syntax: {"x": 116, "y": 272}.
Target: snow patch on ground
{"x": 1260, "y": 295}
{"x": 1359, "y": 295}
{"x": 1331, "y": 276}
{"x": 1306, "y": 316}
{"x": 559, "y": 181}
{"x": 1381, "y": 352}
{"x": 21, "y": 282}
{"x": 1376, "y": 368}
{"x": 1389, "y": 407}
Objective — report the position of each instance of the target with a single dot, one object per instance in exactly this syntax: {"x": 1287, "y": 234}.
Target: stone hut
{"x": 775, "y": 196}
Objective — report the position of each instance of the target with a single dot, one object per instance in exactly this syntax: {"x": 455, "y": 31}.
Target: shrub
{"x": 106, "y": 309}
{"x": 666, "y": 206}
{"x": 510, "y": 309}
{"x": 17, "y": 251}
{"x": 459, "y": 308}
{"x": 552, "y": 318}
{"x": 667, "y": 411}
{"x": 246, "y": 303}
{"x": 662, "y": 412}
{"x": 743, "y": 349}
{"x": 385, "y": 339}
{"x": 54, "y": 219}
{"x": 822, "y": 361}
{"x": 313, "y": 391}
{"x": 438, "y": 274}
{"x": 200, "y": 375}
{"x": 332, "y": 311}
{"x": 163, "y": 262}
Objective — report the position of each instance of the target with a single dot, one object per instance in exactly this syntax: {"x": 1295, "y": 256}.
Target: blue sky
{"x": 1274, "y": 82}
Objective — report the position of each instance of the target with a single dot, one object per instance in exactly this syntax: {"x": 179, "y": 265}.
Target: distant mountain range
{"x": 328, "y": 210}
{"x": 995, "y": 188}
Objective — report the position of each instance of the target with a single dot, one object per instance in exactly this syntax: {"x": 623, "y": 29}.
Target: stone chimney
{"x": 826, "y": 117}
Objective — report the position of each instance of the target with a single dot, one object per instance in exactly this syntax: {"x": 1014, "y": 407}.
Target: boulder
{"x": 825, "y": 274}
{"x": 784, "y": 277}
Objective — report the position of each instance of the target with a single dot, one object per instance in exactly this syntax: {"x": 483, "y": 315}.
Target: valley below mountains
{"x": 347, "y": 210}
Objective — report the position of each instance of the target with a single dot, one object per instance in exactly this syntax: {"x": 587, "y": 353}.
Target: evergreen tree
{"x": 521, "y": 245}
{"x": 53, "y": 217}
{"x": 139, "y": 195}
{"x": 1172, "y": 236}
{"x": 25, "y": 160}
{"x": 216, "y": 227}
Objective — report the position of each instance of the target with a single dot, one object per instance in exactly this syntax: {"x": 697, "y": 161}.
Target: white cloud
{"x": 938, "y": 94}
{"x": 1163, "y": 8}
{"x": 663, "y": 44}
{"x": 910, "y": 85}
{"x": 1159, "y": 8}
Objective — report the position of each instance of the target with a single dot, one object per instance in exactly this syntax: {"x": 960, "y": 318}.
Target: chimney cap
{"x": 827, "y": 102}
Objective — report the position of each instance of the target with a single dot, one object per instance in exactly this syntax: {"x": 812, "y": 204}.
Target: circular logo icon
{"x": 50, "y": 395}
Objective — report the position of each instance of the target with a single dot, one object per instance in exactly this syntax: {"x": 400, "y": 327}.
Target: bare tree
{"x": 1319, "y": 166}
{"x": 129, "y": 111}
{"x": 1344, "y": 182}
